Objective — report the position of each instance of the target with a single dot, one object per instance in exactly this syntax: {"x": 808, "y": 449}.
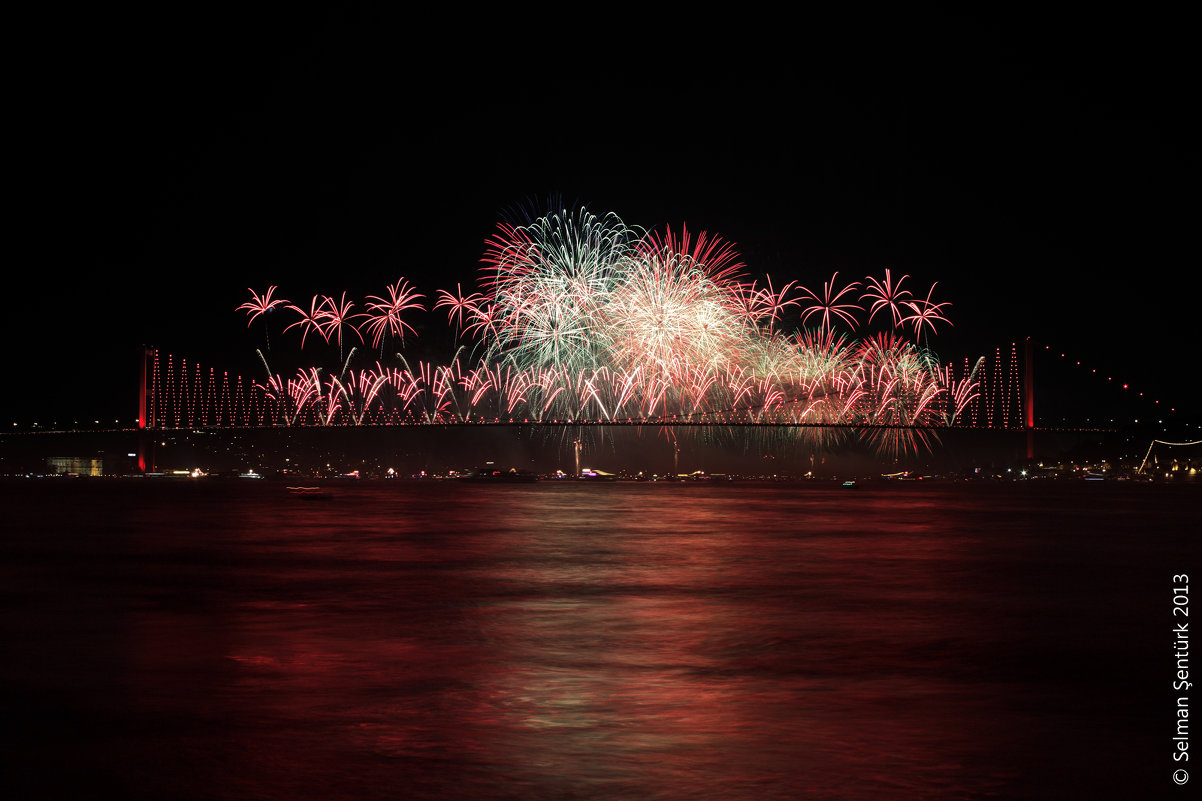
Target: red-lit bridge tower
{"x": 1029, "y": 396}
{"x": 145, "y": 411}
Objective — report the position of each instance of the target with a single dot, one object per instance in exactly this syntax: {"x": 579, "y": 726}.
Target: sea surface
{"x": 201, "y": 639}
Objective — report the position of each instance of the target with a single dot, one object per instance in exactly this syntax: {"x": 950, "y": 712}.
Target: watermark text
{"x": 1181, "y": 680}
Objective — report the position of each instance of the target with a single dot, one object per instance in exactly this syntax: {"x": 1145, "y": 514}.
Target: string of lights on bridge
{"x": 1121, "y": 385}
{"x": 185, "y": 395}
{"x": 200, "y": 397}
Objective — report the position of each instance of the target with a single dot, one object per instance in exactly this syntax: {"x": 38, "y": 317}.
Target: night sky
{"x": 1043, "y": 171}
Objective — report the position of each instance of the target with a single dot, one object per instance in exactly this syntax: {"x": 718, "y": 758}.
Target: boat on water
{"x": 591, "y": 474}
{"x": 309, "y": 493}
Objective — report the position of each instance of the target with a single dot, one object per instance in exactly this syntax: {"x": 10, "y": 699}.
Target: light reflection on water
{"x": 564, "y": 641}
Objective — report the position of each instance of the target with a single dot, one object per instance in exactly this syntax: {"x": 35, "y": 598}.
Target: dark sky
{"x": 1044, "y": 171}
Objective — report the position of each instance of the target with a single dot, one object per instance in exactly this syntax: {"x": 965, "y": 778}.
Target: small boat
{"x": 309, "y": 493}
{"x": 849, "y": 485}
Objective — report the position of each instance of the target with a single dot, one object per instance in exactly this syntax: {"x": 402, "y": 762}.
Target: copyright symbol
{"x": 1180, "y": 776}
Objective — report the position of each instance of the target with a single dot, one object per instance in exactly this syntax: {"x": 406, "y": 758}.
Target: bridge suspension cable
{"x": 1156, "y": 442}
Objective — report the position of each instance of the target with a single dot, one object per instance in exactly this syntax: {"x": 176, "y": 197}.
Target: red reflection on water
{"x": 601, "y": 642}
{"x": 692, "y": 661}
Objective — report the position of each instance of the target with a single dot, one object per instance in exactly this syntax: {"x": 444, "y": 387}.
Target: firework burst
{"x": 581, "y": 317}
{"x": 384, "y": 316}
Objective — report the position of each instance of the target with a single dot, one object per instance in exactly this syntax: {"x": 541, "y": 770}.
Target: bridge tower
{"x": 1029, "y": 396}
{"x": 145, "y": 411}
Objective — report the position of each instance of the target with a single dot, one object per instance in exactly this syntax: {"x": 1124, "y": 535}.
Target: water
{"x": 208, "y": 640}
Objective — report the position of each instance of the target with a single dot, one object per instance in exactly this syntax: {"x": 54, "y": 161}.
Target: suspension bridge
{"x": 992, "y": 393}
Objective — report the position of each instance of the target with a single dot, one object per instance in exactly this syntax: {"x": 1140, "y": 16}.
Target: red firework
{"x": 829, "y": 307}
{"x": 384, "y": 316}
{"x": 926, "y": 313}
{"x": 260, "y": 304}
{"x": 886, "y": 295}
